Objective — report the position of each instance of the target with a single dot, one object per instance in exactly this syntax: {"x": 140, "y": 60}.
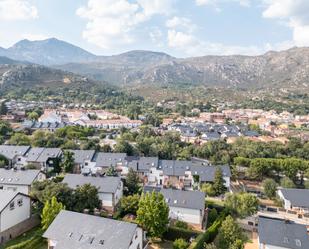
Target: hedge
{"x": 210, "y": 234}
{"x": 174, "y": 233}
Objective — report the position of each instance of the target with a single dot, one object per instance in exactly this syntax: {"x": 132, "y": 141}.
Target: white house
{"x": 14, "y": 154}
{"x": 19, "y": 180}
{"x": 110, "y": 188}
{"x": 14, "y": 208}
{"x": 187, "y": 206}
{"x": 72, "y": 230}
{"x": 295, "y": 199}
{"x": 281, "y": 234}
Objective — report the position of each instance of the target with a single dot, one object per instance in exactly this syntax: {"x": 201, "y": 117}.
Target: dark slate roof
{"x": 49, "y": 153}
{"x": 150, "y": 189}
{"x": 106, "y": 184}
{"x": 174, "y": 167}
{"x": 10, "y": 151}
{"x": 81, "y": 231}
{"x": 184, "y": 199}
{"x": 297, "y": 197}
{"x": 33, "y": 154}
{"x": 281, "y": 233}
{"x": 80, "y": 156}
{"x": 18, "y": 177}
{"x": 207, "y": 173}
{"x": 109, "y": 159}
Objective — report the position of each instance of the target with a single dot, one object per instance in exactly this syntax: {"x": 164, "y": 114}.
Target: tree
{"x": 33, "y": 115}
{"x": 212, "y": 216}
{"x": 68, "y": 162}
{"x": 180, "y": 244}
{"x": 129, "y": 204}
{"x": 230, "y": 234}
{"x": 210, "y": 246}
{"x": 50, "y": 211}
{"x": 19, "y": 139}
{"x": 123, "y": 146}
{"x": 218, "y": 185}
{"x": 152, "y": 214}
{"x": 242, "y": 205}
{"x": 111, "y": 171}
{"x": 86, "y": 197}
{"x": 132, "y": 182}
{"x": 208, "y": 189}
{"x": 3, "y": 108}
{"x": 287, "y": 183}
{"x": 269, "y": 188}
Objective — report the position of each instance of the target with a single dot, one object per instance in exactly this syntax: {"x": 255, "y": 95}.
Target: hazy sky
{"x": 179, "y": 27}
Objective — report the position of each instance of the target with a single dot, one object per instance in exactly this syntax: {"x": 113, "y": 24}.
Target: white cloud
{"x": 215, "y": 3}
{"x": 295, "y": 13}
{"x": 11, "y": 10}
{"x": 156, "y": 36}
{"x": 112, "y": 23}
{"x": 181, "y": 23}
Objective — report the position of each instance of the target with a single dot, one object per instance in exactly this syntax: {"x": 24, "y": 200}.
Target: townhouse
{"x": 15, "y": 208}
{"x": 110, "y": 189}
{"x": 281, "y": 234}
{"x": 19, "y": 181}
{"x": 72, "y": 230}
{"x": 186, "y": 206}
{"x": 82, "y": 159}
{"x": 14, "y": 154}
{"x": 295, "y": 199}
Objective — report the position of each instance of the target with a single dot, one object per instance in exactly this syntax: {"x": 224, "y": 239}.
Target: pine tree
{"x": 50, "y": 211}
{"x": 218, "y": 185}
{"x": 68, "y": 162}
{"x": 132, "y": 182}
{"x": 152, "y": 214}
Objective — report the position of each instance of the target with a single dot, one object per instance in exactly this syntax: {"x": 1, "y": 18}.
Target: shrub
{"x": 180, "y": 244}
{"x": 174, "y": 233}
{"x": 181, "y": 224}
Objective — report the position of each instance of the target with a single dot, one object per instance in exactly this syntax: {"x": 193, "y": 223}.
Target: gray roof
{"x": 81, "y": 231}
{"x": 297, "y": 197}
{"x": 281, "y": 233}
{"x": 150, "y": 189}
{"x": 109, "y": 159}
{"x": 6, "y": 197}
{"x": 11, "y": 151}
{"x": 207, "y": 173}
{"x": 18, "y": 177}
{"x": 184, "y": 199}
{"x": 174, "y": 167}
{"x": 80, "y": 156}
{"x": 106, "y": 184}
{"x": 49, "y": 153}
{"x": 33, "y": 154}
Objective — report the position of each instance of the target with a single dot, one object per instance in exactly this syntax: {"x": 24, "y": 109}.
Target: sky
{"x": 181, "y": 28}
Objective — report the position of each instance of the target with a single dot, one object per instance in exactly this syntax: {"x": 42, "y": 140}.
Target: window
{"x": 20, "y": 202}
{"x": 1, "y": 187}
{"x": 12, "y": 205}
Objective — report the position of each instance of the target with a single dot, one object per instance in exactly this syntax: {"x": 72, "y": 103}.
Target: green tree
{"x": 111, "y": 171}
{"x": 33, "y": 115}
{"x": 180, "y": 244}
{"x": 287, "y": 183}
{"x": 210, "y": 246}
{"x": 124, "y": 146}
{"x": 218, "y": 185}
{"x": 208, "y": 189}
{"x": 3, "y": 108}
{"x": 212, "y": 216}
{"x": 242, "y": 205}
{"x": 230, "y": 234}
{"x": 86, "y": 197}
{"x": 19, "y": 139}
{"x": 269, "y": 188}
{"x": 129, "y": 204}
{"x": 132, "y": 182}
{"x": 50, "y": 211}
{"x": 152, "y": 214}
{"x": 68, "y": 162}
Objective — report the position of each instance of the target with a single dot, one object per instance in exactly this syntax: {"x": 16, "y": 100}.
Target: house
{"x": 295, "y": 199}
{"x": 14, "y": 154}
{"x": 281, "y": 234}
{"x": 187, "y": 206}
{"x": 110, "y": 188}
{"x": 44, "y": 158}
{"x": 72, "y": 230}
{"x": 82, "y": 158}
{"x": 15, "y": 208}
{"x": 105, "y": 160}
{"x": 19, "y": 181}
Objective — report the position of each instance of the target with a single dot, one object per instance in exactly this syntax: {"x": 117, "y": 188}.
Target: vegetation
{"x": 218, "y": 184}
{"x": 68, "y": 162}
{"x": 269, "y": 188}
{"x": 180, "y": 244}
{"x": 242, "y": 205}
{"x": 129, "y": 204}
{"x": 132, "y": 183}
{"x": 50, "y": 211}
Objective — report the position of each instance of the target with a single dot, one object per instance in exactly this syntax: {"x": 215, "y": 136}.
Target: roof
{"x": 207, "y": 173}
{"x": 281, "y": 233}
{"x": 49, "y": 153}
{"x": 184, "y": 199}
{"x": 150, "y": 189}
{"x": 297, "y": 197}
{"x": 18, "y": 177}
{"x": 6, "y": 197}
{"x": 109, "y": 159}
{"x": 81, "y": 231}
{"x": 106, "y": 184}
{"x": 80, "y": 156}
{"x": 34, "y": 153}
{"x": 174, "y": 167}
{"x": 10, "y": 151}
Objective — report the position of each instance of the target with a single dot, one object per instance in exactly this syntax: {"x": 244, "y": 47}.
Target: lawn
{"x": 33, "y": 237}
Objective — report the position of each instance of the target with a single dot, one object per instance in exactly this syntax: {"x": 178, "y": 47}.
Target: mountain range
{"x": 286, "y": 69}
